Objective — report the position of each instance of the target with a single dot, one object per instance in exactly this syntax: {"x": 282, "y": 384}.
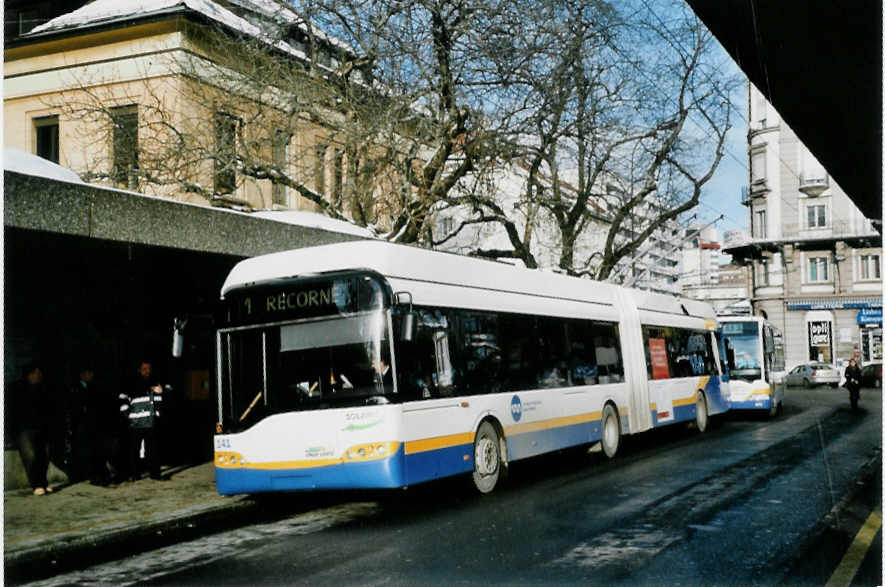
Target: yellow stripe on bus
{"x": 552, "y": 423}
{"x": 702, "y": 384}
{"x": 234, "y": 460}
{"x": 438, "y": 442}
{"x": 230, "y": 460}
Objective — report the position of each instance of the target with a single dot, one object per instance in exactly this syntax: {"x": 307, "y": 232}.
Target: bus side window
{"x": 423, "y": 364}
{"x": 476, "y": 353}
{"x": 552, "y": 369}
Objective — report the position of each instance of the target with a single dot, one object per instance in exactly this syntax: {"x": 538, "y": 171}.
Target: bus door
{"x": 635, "y": 374}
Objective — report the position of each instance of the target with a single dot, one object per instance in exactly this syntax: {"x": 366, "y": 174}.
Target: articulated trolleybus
{"x": 374, "y": 365}
{"x": 754, "y": 353}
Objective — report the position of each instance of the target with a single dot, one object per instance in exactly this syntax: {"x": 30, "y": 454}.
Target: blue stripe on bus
{"x": 385, "y": 473}
{"x": 716, "y": 401}
{"x": 528, "y": 444}
{"x": 756, "y": 404}
{"x": 442, "y": 462}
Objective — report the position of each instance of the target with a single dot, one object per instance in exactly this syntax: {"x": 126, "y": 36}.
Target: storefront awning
{"x": 834, "y": 304}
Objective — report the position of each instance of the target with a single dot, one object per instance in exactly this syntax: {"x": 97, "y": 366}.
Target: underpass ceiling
{"x": 819, "y": 62}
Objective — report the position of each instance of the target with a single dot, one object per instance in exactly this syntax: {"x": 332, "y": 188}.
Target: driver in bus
{"x": 383, "y": 375}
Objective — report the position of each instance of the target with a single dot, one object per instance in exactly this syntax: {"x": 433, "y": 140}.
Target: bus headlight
{"x": 368, "y": 452}
{"x": 229, "y": 459}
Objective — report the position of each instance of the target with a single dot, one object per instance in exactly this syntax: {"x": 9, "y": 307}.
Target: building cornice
{"x": 110, "y": 31}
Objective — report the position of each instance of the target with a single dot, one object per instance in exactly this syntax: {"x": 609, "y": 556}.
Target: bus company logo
{"x": 318, "y": 451}
{"x": 516, "y": 408}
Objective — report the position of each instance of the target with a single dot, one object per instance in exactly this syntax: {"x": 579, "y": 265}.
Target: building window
{"x": 46, "y": 138}
{"x": 319, "y": 169}
{"x": 337, "y": 176}
{"x": 281, "y": 162}
{"x": 817, "y": 216}
{"x": 759, "y": 224}
{"x": 225, "y": 153}
{"x": 869, "y": 267}
{"x": 760, "y": 107}
{"x": 757, "y": 167}
{"x": 763, "y": 277}
{"x": 818, "y": 269}
{"x": 447, "y": 225}
{"x": 125, "y": 146}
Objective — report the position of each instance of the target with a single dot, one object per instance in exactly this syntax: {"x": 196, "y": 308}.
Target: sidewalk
{"x": 47, "y": 534}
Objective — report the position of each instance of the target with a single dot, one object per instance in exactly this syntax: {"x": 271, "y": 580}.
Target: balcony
{"x": 757, "y": 189}
{"x": 813, "y": 185}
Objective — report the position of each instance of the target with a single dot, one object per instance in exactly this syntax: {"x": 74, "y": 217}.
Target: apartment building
{"x": 815, "y": 260}
{"x": 654, "y": 267}
{"x": 706, "y": 274}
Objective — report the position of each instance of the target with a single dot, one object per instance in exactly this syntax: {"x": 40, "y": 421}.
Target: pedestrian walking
{"x": 852, "y": 383}
{"x": 32, "y": 416}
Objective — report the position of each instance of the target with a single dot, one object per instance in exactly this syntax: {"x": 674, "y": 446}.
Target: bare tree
{"x": 627, "y": 120}
{"x": 383, "y": 113}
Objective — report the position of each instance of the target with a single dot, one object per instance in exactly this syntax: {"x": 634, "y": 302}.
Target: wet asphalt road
{"x": 745, "y": 503}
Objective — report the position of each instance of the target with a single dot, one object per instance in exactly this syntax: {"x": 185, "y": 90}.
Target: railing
{"x": 837, "y": 229}
{"x": 798, "y": 231}
{"x": 813, "y": 185}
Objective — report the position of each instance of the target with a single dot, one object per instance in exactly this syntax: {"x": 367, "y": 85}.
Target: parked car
{"x": 871, "y": 375}
{"x": 811, "y": 374}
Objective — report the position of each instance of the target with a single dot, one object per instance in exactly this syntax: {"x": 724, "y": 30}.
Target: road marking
{"x": 847, "y": 569}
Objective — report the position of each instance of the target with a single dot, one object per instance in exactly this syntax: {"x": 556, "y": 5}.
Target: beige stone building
{"x": 815, "y": 259}
{"x": 151, "y": 97}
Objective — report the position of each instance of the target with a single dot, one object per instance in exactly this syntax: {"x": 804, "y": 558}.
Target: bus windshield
{"x": 744, "y": 352}
{"x": 310, "y": 363}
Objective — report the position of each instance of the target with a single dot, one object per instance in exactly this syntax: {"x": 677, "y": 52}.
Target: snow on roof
{"x": 28, "y": 164}
{"x": 314, "y": 220}
{"x": 104, "y": 11}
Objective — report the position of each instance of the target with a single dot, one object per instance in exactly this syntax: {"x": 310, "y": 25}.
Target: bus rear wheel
{"x": 611, "y": 431}
{"x": 701, "y": 418}
{"x": 487, "y": 461}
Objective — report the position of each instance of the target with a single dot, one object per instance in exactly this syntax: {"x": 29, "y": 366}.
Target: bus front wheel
{"x": 611, "y": 431}
{"x": 701, "y": 418}
{"x": 486, "y": 458}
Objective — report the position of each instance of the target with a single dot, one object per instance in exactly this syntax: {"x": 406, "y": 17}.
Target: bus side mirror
{"x": 178, "y": 337}
{"x": 407, "y": 331}
{"x": 408, "y": 328}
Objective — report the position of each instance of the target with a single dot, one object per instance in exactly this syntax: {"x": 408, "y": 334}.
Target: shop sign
{"x": 819, "y": 333}
{"x": 868, "y": 316}
{"x": 834, "y": 305}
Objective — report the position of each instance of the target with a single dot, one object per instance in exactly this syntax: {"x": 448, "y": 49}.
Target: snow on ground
{"x": 28, "y": 164}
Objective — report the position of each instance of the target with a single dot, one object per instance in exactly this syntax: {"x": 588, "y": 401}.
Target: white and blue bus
{"x": 754, "y": 353}
{"x": 374, "y": 365}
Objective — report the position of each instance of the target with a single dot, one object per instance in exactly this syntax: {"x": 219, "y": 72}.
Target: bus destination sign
{"x": 304, "y": 300}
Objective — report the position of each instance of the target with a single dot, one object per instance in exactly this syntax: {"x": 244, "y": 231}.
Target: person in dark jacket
{"x": 32, "y": 416}
{"x": 144, "y": 412}
{"x": 90, "y": 415}
{"x": 852, "y": 382}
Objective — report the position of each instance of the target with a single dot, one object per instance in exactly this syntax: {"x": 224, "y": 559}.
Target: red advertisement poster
{"x": 658, "y": 350}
